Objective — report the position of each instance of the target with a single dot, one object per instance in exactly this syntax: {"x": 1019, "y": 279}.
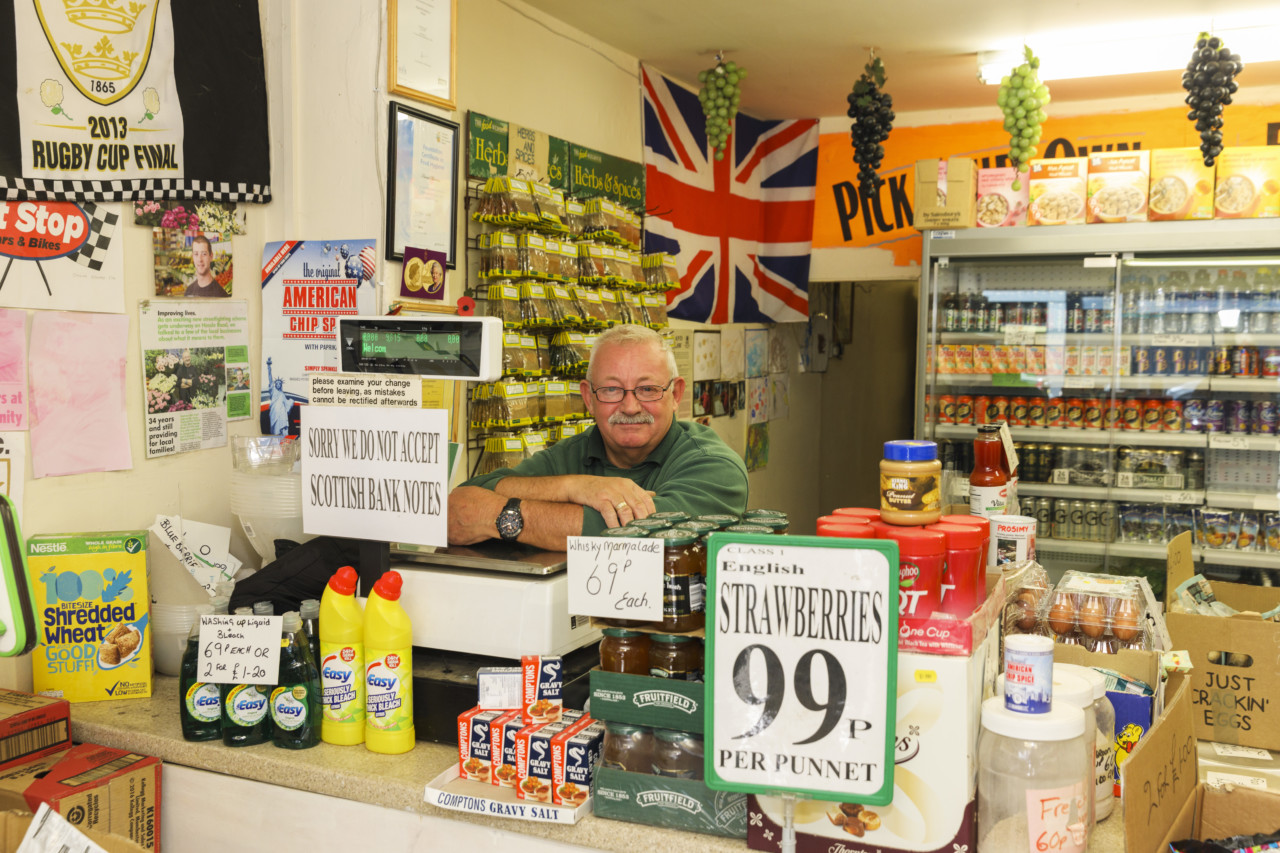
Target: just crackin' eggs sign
{"x": 845, "y": 217}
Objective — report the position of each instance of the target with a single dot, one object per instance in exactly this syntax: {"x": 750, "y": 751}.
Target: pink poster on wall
{"x": 78, "y": 421}
{"x": 13, "y": 369}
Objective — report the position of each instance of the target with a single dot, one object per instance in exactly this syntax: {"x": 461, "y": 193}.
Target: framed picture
{"x": 421, "y": 36}
{"x": 422, "y": 177}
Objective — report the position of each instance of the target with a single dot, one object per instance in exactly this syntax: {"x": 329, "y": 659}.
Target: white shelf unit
{"x": 1057, "y": 435}
{"x": 1111, "y": 493}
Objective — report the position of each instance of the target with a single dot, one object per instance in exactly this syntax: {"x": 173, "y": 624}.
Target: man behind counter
{"x": 636, "y": 461}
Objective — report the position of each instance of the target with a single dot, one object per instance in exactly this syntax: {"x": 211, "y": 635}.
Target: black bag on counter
{"x": 297, "y": 574}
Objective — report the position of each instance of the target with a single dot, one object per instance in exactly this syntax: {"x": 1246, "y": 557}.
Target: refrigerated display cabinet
{"x": 1138, "y": 367}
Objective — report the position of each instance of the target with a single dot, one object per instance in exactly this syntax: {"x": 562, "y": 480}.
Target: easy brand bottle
{"x": 388, "y": 636}
{"x": 342, "y": 661}
{"x": 199, "y": 702}
{"x": 309, "y": 610}
{"x": 295, "y": 701}
{"x": 245, "y": 716}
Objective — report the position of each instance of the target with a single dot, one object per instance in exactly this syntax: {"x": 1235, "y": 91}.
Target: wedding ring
{"x": 620, "y": 507}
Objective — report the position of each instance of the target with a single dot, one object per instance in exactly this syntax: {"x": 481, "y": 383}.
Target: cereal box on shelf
{"x": 1058, "y": 189}
{"x": 1118, "y": 182}
{"x": 1248, "y": 183}
{"x": 1181, "y": 185}
{"x": 999, "y": 204}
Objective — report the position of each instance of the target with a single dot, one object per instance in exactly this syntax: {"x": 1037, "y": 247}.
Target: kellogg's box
{"x": 89, "y": 591}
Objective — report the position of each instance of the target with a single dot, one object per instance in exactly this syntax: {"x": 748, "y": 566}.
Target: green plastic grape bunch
{"x": 719, "y": 97}
{"x": 1022, "y": 99}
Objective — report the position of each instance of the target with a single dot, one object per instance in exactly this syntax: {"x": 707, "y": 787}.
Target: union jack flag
{"x": 740, "y": 228}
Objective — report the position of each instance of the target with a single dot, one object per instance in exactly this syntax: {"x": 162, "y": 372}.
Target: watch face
{"x": 510, "y": 522}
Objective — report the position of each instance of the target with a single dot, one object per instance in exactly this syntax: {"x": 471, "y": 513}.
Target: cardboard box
{"x": 1181, "y": 185}
{"x": 643, "y": 700}
{"x": 32, "y": 727}
{"x": 1232, "y": 704}
{"x": 999, "y": 205}
{"x": 946, "y": 191}
{"x": 91, "y": 599}
{"x": 685, "y": 804}
{"x": 13, "y": 826}
{"x": 1058, "y": 191}
{"x": 1248, "y": 183}
{"x": 1165, "y": 803}
{"x": 1118, "y": 184}
{"x": 935, "y": 805}
{"x": 93, "y": 787}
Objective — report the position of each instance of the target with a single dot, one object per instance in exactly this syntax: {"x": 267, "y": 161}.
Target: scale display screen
{"x": 441, "y": 347}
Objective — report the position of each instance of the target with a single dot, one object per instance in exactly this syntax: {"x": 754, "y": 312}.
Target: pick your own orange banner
{"x": 844, "y": 219}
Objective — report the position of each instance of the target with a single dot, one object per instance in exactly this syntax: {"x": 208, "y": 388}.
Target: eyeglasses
{"x": 643, "y": 393}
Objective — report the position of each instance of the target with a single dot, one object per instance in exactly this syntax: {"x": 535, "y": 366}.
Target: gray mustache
{"x": 619, "y": 418}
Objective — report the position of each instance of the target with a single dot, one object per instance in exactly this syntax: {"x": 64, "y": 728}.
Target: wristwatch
{"x": 510, "y": 521}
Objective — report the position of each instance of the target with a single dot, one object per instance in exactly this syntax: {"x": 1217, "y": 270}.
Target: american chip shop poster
{"x": 61, "y": 255}
{"x": 306, "y": 286}
{"x": 196, "y": 375}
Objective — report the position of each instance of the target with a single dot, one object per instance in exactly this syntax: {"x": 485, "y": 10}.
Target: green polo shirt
{"x": 691, "y": 470}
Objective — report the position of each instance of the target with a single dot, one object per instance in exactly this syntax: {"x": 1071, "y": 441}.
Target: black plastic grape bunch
{"x": 872, "y": 114}
{"x": 1210, "y": 83}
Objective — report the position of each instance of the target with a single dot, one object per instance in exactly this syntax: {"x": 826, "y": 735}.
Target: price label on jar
{"x": 616, "y": 577}
{"x": 801, "y": 663}
{"x": 239, "y": 649}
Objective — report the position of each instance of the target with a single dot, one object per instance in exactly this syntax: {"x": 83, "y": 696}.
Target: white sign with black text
{"x": 802, "y": 666}
{"x": 616, "y": 577}
{"x": 239, "y": 649}
{"x": 377, "y": 474}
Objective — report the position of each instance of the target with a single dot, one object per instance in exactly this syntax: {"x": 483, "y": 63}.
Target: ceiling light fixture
{"x": 1061, "y": 59}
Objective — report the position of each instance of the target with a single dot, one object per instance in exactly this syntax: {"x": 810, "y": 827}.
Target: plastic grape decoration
{"x": 719, "y": 96}
{"x": 872, "y": 114}
{"x": 1210, "y": 83}
{"x": 1022, "y": 99}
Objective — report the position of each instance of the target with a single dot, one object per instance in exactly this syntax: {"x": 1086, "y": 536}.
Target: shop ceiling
{"x": 803, "y": 56}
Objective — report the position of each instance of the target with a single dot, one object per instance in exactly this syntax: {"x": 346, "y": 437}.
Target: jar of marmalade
{"x": 777, "y": 524}
{"x": 752, "y": 514}
{"x": 701, "y": 528}
{"x": 721, "y": 521}
{"x": 677, "y": 754}
{"x": 624, "y": 651}
{"x": 747, "y": 528}
{"x": 650, "y": 523}
{"x": 673, "y": 656}
{"x": 627, "y": 748}
{"x": 684, "y": 579}
{"x": 672, "y": 517}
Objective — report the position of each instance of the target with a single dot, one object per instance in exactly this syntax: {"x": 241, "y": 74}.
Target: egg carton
{"x": 1104, "y": 613}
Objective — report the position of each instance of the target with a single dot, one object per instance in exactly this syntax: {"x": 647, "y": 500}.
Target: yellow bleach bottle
{"x": 341, "y": 662}
{"x": 388, "y": 682}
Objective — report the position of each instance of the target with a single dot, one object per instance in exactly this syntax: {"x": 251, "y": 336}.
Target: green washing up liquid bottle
{"x": 199, "y": 702}
{"x": 309, "y": 610}
{"x": 295, "y": 701}
{"x": 245, "y": 717}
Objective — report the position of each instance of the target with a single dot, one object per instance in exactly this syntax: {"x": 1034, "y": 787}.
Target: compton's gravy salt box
{"x": 89, "y": 591}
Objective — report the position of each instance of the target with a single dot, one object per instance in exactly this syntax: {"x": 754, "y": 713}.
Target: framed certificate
{"x": 422, "y": 178}
{"x": 420, "y": 50}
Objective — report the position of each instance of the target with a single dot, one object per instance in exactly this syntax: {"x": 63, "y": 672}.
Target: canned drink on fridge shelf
{"x": 1269, "y": 361}
{"x": 1113, "y": 418}
{"x": 1062, "y": 519}
{"x": 1244, "y": 361}
{"x": 946, "y": 409}
{"x": 1238, "y": 415}
{"x": 999, "y": 410}
{"x": 1178, "y": 361}
{"x": 1035, "y": 358}
{"x": 1159, "y": 361}
{"x": 1215, "y": 415}
{"x": 1173, "y": 416}
{"x": 964, "y": 409}
{"x": 982, "y": 409}
{"x": 1220, "y": 361}
{"x": 1196, "y": 358}
{"x": 1073, "y": 415}
{"x": 1035, "y": 314}
{"x": 1055, "y": 412}
{"x": 1015, "y": 314}
{"x": 1018, "y": 412}
{"x": 1152, "y": 415}
{"x": 1265, "y": 416}
{"x": 1193, "y": 475}
{"x": 1044, "y": 518}
{"x": 1075, "y": 514}
{"x": 1093, "y": 413}
{"x": 1109, "y": 521}
{"x": 1131, "y": 414}
{"x": 1141, "y": 361}
{"x": 1093, "y": 521}
{"x": 1036, "y": 412}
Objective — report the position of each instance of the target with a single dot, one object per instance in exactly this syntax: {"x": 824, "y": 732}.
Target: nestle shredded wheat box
{"x": 89, "y": 591}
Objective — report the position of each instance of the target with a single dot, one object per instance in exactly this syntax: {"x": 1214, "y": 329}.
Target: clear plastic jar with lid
{"x": 684, "y": 579}
{"x": 627, "y": 748}
{"x": 910, "y": 478}
{"x": 1034, "y": 783}
{"x": 624, "y": 651}
{"x": 1104, "y": 757}
{"x": 677, "y": 754}
{"x": 673, "y": 656}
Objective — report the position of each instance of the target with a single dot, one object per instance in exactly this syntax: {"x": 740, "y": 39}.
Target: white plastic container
{"x": 1028, "y": 672}
{"x": 1104, "y": 757}
{"x": 1035, "y": 785}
